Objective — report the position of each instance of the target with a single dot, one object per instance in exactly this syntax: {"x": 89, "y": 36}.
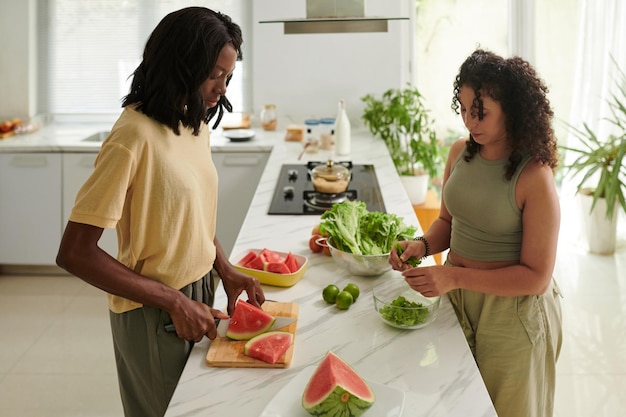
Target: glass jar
{"x": 327, "y": 135}
{"x": 268, "y": 117}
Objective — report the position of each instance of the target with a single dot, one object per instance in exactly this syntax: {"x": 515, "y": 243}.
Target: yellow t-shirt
{"x": 160, "y": 192}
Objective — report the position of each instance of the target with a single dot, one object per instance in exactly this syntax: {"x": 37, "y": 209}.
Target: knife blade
{"x": 279, "y": 323}
{"x": 222, "y": 325}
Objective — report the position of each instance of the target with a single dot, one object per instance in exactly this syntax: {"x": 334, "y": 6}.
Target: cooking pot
{"x": 330, "y": 178}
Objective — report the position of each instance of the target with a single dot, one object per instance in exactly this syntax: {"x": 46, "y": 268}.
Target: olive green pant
{"x": 516, "y": 342}
{"x": 149, "y": 359}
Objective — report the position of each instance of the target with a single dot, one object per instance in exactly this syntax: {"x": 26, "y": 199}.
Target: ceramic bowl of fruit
{"x": 400, "y": 306}
{"x": 360, "y": 265}
{"x": 281, "y": 269}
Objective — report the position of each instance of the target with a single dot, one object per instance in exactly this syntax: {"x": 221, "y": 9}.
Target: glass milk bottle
{"x": 342, "y": 131}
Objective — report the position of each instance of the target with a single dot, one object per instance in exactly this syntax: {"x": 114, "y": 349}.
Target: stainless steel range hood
{"x": 335, "y": 16}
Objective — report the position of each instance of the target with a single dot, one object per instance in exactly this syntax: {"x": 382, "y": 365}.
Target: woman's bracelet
{"x": 426, "y": 245}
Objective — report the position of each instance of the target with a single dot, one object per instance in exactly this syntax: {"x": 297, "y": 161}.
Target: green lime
{"x": 330, "y": 293}
{"x": 353, "y": 289}
{"x": 344, "y": 300}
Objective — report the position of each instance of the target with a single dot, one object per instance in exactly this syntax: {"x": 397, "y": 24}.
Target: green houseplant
{"x": 603, "y": 160}
{"x": 599, "y": 168}
{"x": 402, "y": 120}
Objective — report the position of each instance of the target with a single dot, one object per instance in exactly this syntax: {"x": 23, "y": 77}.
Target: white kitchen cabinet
{"x": 30, "y": 208}
{"x": 76, "y": 169}
{"x": 239, "y": 174}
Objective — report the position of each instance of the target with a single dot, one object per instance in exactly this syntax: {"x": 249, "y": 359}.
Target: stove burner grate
{"x": 321, "y": 201}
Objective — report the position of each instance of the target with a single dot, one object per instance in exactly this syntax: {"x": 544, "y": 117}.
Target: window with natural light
{"x": 91, "y": 48}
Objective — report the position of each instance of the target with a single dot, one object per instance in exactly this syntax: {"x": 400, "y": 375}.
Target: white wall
{"x": 306, "y": 75}
{"x": 17, "y": 51}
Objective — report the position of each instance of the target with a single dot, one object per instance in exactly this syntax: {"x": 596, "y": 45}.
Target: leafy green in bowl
{"x": 400, "y": 306}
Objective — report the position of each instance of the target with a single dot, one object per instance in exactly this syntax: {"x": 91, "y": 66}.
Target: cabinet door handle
{"x": 243, "y": 160}
{"x": 29, "y": 161}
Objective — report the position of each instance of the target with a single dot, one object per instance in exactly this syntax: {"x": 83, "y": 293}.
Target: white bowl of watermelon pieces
{"x": 281, "y": 269}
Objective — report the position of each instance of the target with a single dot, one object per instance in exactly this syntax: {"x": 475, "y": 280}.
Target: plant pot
{"x": 600, "y": 232}
{"x": 416, "y": 187}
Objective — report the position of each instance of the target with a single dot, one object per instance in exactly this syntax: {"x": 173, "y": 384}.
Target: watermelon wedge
{"x": 248, "y": 321}
{"x": 268, "y": 347}
{"x": 292, "y": 263}
{"x": 277, "y": 267}
{"x": 250, "y": 256}
{"x": 335, "y": 389}
{"x": 255, "y": 263}
{"x": 270, "y": 256}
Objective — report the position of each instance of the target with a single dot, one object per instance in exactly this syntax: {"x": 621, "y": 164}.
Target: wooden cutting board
{"x": 226, "y": 353}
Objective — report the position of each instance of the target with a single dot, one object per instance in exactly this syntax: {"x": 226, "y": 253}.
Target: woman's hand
{"x": 430, "y": 281}
{"x": 410, "y": 249}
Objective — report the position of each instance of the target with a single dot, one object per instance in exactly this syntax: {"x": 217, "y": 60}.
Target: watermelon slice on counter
{"x": 335, "y": 389}
{"x": 270, "y": 261}
{"x": 248, "y": 321}
{"x": 269, "y": 347}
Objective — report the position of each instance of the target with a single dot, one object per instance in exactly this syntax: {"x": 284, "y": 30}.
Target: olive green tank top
{"x": 486, "y": 222}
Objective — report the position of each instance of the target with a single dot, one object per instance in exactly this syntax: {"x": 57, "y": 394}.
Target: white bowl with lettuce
{"x": 360, "y": 240}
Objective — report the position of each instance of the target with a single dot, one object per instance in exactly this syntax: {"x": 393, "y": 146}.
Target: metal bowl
{"x": 404, "y": 317}
{"x": 361, "y": 265}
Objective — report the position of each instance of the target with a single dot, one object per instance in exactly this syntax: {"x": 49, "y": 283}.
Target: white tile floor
{"x": 56, "y": 357}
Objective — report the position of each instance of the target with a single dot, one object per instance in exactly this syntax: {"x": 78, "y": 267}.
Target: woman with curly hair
{"x": 500, "y": 219}
{"x": 155, "y": 182}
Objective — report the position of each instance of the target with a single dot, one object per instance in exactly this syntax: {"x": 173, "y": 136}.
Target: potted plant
{"x": 599, "y": 165}
{"x": 402, "y": 120}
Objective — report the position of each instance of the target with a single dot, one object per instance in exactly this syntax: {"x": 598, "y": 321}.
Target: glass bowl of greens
{"x": 360, "y": 265}
{"x": 400, "y": 306}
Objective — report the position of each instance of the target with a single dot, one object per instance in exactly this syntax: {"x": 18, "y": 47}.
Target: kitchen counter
{"x": 433, "y": 366}
{"x": 67, "y": 134}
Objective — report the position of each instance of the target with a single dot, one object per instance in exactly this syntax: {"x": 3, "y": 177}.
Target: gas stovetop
{"x": 294, "y": 193}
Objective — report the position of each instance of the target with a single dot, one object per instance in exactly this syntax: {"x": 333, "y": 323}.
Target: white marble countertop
{"x": 432, "y": 366}
{"x": 67, "y": 134}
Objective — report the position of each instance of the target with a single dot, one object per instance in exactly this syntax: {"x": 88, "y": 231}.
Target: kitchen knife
{"x": 222, "y": 325}
{"x": 279, "y": 323}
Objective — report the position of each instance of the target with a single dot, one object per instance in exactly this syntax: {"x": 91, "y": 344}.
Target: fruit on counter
{"x": 10, "y": 125}
{"x": 5, "y": 126}
{"x": 329, "y": 293}
{"x": 248, "y": 321}
{"x": 336, "y": 389}
{"x": 270, "y": 261}
{"x": 313, "y": 245}
{"x": 353, "y": 289}
{"x": 344, "y": 300}
{"x": 315, "y": 236}
{"x": 268, "y": 347}
{"x": 356, "y": 230}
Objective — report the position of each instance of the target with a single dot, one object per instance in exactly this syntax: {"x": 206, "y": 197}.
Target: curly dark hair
{"x": 515, "y": 85}
{"x": 179, "y": 56}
